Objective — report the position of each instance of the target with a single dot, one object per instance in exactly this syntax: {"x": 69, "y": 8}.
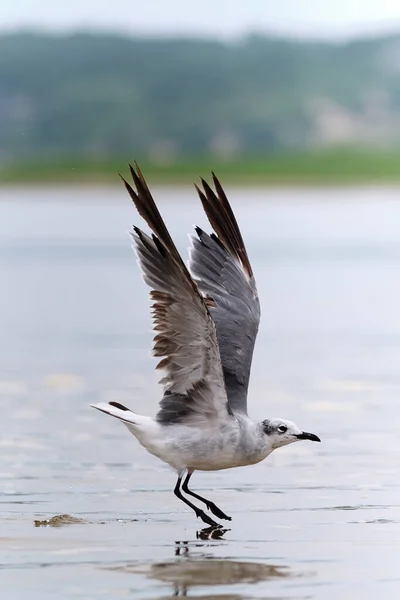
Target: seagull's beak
{"x": 308, "y": 436}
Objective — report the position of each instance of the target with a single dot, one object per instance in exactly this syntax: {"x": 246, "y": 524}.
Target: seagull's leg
{"x": 210, "y": 505}
{"x": 199, "y": 513}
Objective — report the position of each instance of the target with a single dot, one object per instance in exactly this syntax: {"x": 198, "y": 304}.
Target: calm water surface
{"x": 313, "y": 521}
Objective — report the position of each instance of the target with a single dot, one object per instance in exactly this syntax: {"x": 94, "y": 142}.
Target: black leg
{"x": 210, "y": 505}
{"x": 199, "y": 513}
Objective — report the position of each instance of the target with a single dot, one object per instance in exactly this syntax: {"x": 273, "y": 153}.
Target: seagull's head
{"x": 281, "y": 433}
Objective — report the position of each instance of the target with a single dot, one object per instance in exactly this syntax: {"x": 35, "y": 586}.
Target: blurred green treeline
{"x": 257, "y": 109}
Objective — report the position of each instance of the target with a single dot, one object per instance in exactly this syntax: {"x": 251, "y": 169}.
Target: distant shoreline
{"x": 334, "y": 167}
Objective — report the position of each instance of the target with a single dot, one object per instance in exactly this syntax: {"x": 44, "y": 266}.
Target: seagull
{"x": 205, "y": 320}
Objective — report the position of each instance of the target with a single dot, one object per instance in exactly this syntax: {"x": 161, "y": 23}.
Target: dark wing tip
{"x": 199, "y": 232}
{"x": 201, "y": 194}
{"x": 160, "y": 247}
{"x": 206, "y": 186}
{"x": 130, "y": 190}
{"x": 216, "y": 239}
{"x": 147, "y": 208}
{"x": 140, "y": 174}
{"x": 218, "y": 185}
{"x": 223, "y": 221}
{"x": 139, "y": 180}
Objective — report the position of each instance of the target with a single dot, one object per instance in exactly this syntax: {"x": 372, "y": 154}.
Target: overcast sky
{"x": 222, "y": 18}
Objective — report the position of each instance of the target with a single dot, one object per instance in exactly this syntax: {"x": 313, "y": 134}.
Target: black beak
{"x": 308, "y": 436}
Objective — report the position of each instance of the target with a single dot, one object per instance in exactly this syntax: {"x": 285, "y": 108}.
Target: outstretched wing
{"x": 194, "y": 390}
{"x": 221, "y": 268}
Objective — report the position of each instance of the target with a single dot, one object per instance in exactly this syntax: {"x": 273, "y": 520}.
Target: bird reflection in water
{"x": 196, "y": 567}
{"x": 210, "y": 572}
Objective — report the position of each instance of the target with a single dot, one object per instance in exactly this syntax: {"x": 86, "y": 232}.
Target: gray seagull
{"x": 205, "y": 319}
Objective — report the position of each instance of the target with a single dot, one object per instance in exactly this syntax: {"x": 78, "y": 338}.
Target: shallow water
{"x": 314, "y": 520}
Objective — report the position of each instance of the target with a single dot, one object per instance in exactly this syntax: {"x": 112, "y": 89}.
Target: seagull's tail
{"x": 115, "y": 409}
{"x": 145, "y": 429}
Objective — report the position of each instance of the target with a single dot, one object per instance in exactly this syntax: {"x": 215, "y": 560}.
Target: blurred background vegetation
{"x": 260, "y": 108}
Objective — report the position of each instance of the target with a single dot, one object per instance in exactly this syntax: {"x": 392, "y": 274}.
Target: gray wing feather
{"x": 222, "y": 271}
{"x": 194, "y": 390}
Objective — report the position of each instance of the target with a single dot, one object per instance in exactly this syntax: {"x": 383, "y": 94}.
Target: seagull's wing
{"x": 194, "y": 390}
{"x": 221, "y": 268}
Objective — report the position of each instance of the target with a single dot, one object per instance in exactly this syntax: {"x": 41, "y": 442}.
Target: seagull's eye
{"x": 282, "y": 429}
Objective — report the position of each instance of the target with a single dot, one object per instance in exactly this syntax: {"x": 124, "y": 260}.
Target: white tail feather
{"x": 123, "y": 414}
